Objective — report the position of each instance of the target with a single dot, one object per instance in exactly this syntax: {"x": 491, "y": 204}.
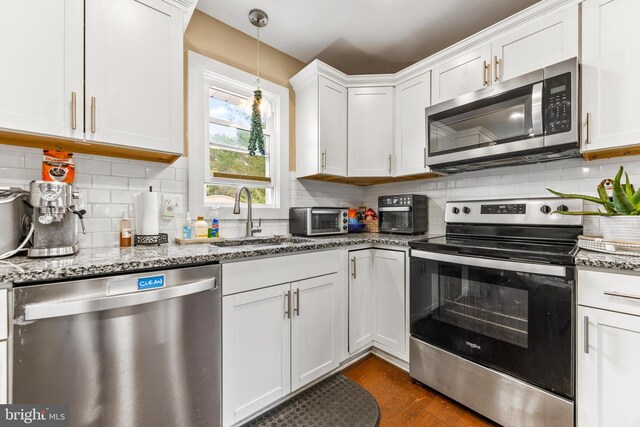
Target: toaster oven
{"x": 318, "y": 221}
{"x": 403, "y": 214}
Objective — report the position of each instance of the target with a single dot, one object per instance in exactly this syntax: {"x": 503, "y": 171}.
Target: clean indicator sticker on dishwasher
{"x": 152, "y": 282}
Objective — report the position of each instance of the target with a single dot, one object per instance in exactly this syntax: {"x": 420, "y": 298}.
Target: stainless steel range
{"x": 492, "y": 309}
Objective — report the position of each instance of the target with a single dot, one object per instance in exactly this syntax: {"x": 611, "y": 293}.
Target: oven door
{"x": 514, "y": 317}
{"x": 325, "y": 221}
{"x": 396, "y": 219}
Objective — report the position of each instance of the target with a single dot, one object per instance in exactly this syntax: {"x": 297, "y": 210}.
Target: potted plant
{"x": 620, "y": 214}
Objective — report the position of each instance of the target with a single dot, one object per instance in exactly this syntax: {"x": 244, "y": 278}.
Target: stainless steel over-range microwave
{"x": 526, "y": 119}
{"x": 318, "y": 221}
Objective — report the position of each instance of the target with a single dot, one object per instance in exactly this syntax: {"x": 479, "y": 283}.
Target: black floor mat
{"x": 336, "y": 401}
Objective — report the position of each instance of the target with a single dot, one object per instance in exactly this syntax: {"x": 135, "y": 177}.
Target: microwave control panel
{"x": 557, "y": 96}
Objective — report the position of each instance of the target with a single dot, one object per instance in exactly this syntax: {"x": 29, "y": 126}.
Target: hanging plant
{"x": 256, "y": 137}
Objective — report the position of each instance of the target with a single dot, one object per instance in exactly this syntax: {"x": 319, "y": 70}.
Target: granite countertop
{"x": 586, "y": 258}
{"x": 101, "y": 261}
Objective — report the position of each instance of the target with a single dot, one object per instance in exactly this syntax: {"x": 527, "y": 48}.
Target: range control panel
{"x": 543, "y": 211}
{"x": 504, "y": 209}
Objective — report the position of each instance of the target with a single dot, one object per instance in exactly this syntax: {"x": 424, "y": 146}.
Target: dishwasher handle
{"x": 68, "y": 308}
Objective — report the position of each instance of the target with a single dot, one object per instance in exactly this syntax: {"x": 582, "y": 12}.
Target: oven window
{"x": 396, "y": 220}
{"x": 325, "y": 222}
{"x": 504, "y": 118}
{"x": 495, "y": 311}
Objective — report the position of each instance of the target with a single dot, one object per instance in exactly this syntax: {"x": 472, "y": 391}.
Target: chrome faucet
{"x": 236, "y": 210}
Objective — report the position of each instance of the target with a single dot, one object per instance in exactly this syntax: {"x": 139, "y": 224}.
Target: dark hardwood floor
{"x": 405, "y": 403}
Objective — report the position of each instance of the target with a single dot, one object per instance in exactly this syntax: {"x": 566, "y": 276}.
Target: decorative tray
{"x": 598, "y": 244}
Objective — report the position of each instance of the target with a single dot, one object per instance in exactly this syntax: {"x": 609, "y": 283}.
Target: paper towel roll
{"x": 146, "y": 210}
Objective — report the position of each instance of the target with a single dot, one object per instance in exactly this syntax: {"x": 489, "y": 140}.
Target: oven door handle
{"x": 395, "y": 209}
{"x": 325, "y": 211}
{"x": 520, "y": 267}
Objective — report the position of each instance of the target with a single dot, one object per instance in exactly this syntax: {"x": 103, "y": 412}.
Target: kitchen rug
{"x": 336, "y": 401}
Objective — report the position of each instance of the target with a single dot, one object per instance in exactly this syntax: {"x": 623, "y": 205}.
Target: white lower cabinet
{"x": 377, "y": 301}
{"x": 608, "y": 368}
{"x": 389, "y": 301}
{"x": 276, "y": 340}
{"x": 360, "y": 300}
{"x": 4, "y": 369}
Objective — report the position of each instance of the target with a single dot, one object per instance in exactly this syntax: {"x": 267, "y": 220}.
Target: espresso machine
{"x": 54, "y": 219}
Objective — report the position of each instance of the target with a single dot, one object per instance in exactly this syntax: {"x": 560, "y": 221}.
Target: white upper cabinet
{"x": 412, "y": 97}
{"x": 545, "y": 41}
{"x": 321, "y": 128}
{"x": 465, "y": 73}
{"x": 134, "y": 71}
{"x": 41, "y": 72}
{"x": 370, "y": 131}
{"x": 610, "y": 83}
{"x": 332, "y": 127}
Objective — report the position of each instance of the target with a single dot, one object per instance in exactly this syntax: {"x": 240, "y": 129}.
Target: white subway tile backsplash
{"x": 111, "y": 210}
{"x": 98, "y": 196}
{"x": 93, "y": 167}
{"x": 13, "y": 159}
{"x": 111, "y": 182}
{"x": 127, "y": 169}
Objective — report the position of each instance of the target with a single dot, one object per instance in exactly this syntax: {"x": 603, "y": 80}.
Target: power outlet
{"x": 172, "y": 205}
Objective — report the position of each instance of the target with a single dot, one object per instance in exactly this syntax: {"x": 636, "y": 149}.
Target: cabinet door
{"x": 610, "y": 83}
{"x": 134, "y": 74}
{"x": 4, "y": 372}
{"x": 370, "y": 132}
{"x": 529, "y": 47}
{"x": 389, "y": 301}
{"x": 412, "y": 97}
{"x": 360, "y": 300}
{"x": 314, "y": 329}
{"x": 332, "y": 128}
{"x": 42, "y": 66}
{"x": 608, "y": 373}
{"x": 463, "y": 74}
{"x": 255, "y": 351}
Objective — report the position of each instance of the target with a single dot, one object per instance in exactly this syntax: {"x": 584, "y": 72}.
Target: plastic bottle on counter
{"x": 125, "y": 231}
{"x": 201, "y": 228}
{"x": 215, "y": 223}
{"x": 187, "y": 233}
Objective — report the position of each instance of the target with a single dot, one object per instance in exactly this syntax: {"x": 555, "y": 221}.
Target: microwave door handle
{"x": 395, "y": 209}
{"x": 537, "y": 109}
{"x": 498, "y": 264}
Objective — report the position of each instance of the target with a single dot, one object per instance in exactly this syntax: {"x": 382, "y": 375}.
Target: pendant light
{"x": 258, "y": 19}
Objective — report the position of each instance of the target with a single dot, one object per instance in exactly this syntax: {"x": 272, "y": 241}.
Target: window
{"x": 229, "y": 159}
{"x": 219, "y": 127}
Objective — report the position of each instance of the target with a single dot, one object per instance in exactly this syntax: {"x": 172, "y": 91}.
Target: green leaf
{"x": 621, "y": 203}
{"x": 598, "y": 213}
{"x": 627, "y": 187}
{"x": 582, "y": 197}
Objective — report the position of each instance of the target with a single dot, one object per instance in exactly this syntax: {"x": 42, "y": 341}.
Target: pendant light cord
{"x": 258, "y": 60}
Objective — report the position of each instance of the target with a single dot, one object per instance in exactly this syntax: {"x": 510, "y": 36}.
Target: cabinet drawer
{"x": 609, "y": 291}
{"x": 244, "y": 276}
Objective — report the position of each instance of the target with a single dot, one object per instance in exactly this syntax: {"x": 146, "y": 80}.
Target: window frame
{"x": 205, "y": 73}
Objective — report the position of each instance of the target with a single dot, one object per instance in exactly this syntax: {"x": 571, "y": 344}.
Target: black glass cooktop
{"x": 530, "y": 250}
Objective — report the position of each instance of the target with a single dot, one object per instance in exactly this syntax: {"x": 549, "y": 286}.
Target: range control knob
{"x": 455, "y": 210}
{"x": 545, "y": 209}
{"x": 563, "y": 208}
{"x": 466, "y": 210}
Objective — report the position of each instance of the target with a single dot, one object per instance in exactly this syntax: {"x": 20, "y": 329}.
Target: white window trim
{"x": 198, "y": 119}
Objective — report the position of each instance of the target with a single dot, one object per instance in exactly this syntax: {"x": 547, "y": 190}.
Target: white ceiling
{"x": 364, "y": 36}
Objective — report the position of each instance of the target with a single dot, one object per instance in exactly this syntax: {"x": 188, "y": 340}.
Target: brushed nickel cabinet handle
{"x": 296, "y": 306}
{"x": 588, "y": 140}
{"x": 287, "y": 304}
{"x": 389, "y": 163}
{"x": 485, "y": 79}
{"x": 586, "y": 334}
{"x": 93, "y": 114}
{"x": 324, "y": 159}
{"x": 425, "y": 156}
{"x": 496, "y": 63}
{"x": 73, "y": 111}
{"x": 621, "y": 295}
{"x": 353, "y": 272}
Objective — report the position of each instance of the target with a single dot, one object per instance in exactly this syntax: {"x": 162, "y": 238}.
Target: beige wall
{"x": 215, "y": 39}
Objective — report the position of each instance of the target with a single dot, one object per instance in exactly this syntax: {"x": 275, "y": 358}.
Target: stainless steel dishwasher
{"x": 130, "y": 350}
